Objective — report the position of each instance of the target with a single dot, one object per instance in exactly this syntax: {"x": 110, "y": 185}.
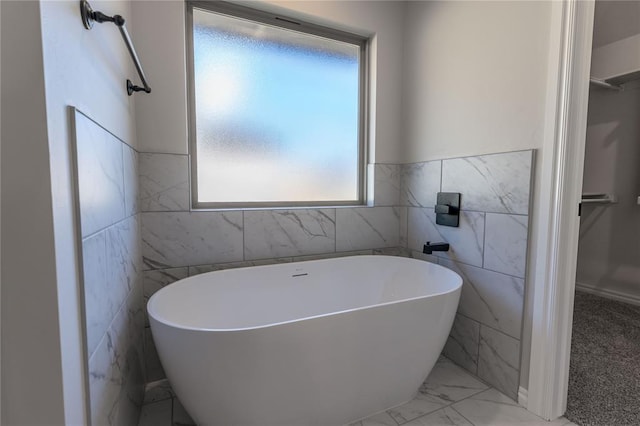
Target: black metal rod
{"x": 132, "y": 52}
{"x": 89, "y": 16}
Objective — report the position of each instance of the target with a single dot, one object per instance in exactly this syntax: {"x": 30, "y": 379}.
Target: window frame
{"x": 289, "y": 23}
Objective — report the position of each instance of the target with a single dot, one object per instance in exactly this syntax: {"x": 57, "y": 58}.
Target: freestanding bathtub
{"x": 322, "y": 342}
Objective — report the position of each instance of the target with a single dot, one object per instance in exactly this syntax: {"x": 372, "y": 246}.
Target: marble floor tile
{"x": 449, "y": 383}
{"x": 493, "y": 408}
{"x": 444, "y": 417}
{"x": 380, "y": 419}
{"x": 484, "y": 408}
{"x": 158, "y": 391}
{"x": 422, "y": 404}
{"x": 156, "y": 414}
{"x": 180, "y": 416}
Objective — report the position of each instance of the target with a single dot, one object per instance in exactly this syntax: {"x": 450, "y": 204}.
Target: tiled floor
{"x": 162, "y": 408}
{"x": 449, "y": 396}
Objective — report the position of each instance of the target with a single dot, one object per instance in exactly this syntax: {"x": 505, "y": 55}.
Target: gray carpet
{"x": 604, "y": 373}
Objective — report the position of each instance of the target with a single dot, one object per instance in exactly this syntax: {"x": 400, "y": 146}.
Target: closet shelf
{"x": 604, "y": 84}
{"x": 599, "y": 198}
{"x": 616, "y": 82}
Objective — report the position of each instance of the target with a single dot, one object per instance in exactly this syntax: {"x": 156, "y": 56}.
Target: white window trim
{"x": 295, "y": 24}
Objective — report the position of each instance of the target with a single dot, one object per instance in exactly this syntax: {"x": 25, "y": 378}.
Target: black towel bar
{"x": 89, "y": 16}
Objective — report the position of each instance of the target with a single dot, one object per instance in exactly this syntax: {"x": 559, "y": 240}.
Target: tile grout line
{"x": 489, "y": 387}
{"x": 111, "y": 321}
{"x": 461, "y": 415}
{"x": 392, "y": 418}
{"x": 400, "y": 204}
{"x": 478, "y": 349}
{"x": 480, "y": 267}
{"x": 172, "y": 405}
{"x": 466, "y": 156}
{"x": 335, "y": 230}
{"x": 450, "y": 404}
{"x": 484, "y": 239}
{"x": 406, "y": 236}
{"x": 118, "y": 222}
{"x": 124, "y": 184}
{"x": 244, "y": 235}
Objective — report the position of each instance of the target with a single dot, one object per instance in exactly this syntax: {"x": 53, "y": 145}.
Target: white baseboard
{"x": 609, "y": 294}
{"x": 523, "y": 396}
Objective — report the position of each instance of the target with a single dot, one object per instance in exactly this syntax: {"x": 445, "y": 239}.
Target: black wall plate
{"x": 448, "y": 209}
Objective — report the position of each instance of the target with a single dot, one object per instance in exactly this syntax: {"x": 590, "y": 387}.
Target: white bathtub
{"x": 323, "y": 342}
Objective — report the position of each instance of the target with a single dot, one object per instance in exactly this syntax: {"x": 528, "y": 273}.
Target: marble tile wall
{"x": 488, "y": 250}
{"x": 177, "y": 242}
{"x": 107, "y": 176}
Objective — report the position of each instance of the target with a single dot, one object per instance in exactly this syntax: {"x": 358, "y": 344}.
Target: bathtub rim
{"x": 152, "y": 315}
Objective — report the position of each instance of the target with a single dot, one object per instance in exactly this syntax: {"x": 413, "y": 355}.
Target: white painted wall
{"x": 0, "y": 234}
{"x": 162, "y": 116}
{"x": 42, "y": 326}
{"x": 474, "y": 77}
{"x": 609, "y": 250}
{"x": 31, "y": 356}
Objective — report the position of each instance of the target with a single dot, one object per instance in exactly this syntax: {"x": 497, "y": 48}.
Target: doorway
{"x": 604, "y": 373}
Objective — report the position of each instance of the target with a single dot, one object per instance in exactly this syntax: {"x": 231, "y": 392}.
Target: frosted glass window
{"x": 278, "y": 114}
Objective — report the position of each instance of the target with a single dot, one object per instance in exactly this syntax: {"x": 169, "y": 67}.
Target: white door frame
{"x": 555, "y": 239}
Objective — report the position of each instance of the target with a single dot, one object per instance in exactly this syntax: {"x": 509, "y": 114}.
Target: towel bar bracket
{"x": 133, "y": 88}
{"x": 89, "y": 15}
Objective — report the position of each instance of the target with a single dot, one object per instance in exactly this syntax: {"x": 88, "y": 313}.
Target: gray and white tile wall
{"x": 107, "y": 179}
{"x": 177, "y": 242}
{"x": 488, "y": 249}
